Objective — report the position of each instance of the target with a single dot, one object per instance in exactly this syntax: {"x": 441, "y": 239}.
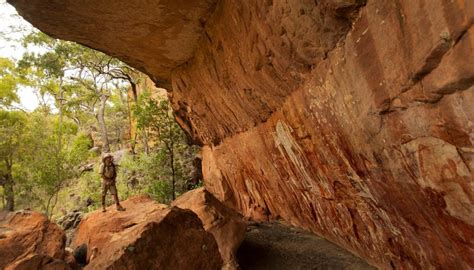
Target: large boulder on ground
{"x": 146, "y": 236}
{"x": 28, "y": 240}
{"x": 350, "y": 118}
{"x": 224, "y": 223}
{"x": 38, "y": 262}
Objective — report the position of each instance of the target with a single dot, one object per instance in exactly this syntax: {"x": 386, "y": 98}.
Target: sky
{"x": 10, "y": 24}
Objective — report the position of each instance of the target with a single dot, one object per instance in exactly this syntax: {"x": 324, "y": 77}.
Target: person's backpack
{"x": 109, "y": 171}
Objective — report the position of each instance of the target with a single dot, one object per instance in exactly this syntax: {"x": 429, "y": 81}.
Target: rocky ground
{"x": 279, "y": 246}
{"x": 195, "y": 232}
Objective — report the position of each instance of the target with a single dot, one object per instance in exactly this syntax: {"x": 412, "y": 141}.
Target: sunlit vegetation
{"x": 49, "y": 157}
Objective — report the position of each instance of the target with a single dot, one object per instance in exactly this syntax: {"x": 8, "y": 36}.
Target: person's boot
{"x": 117, "y": 202}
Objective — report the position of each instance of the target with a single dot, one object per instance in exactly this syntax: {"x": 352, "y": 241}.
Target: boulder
{"x": 224, "y": 223}
{"x": 349, "y": 118}
{"x": 71, "y": 260}
{"x": 70, "y": 220}
{"x": 28, "y": 240}
{"x": 38, "y": 262}
{"x": 146, "y": 236}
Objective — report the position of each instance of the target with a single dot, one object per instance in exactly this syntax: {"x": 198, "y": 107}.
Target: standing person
{"x": 108, "y": 172}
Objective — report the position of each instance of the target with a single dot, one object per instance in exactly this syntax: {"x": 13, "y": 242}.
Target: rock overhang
{"x": 152, "y": 36}
{"x": 357, "y": 128}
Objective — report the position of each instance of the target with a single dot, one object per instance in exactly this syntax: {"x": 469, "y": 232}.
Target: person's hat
{"x": 106, "y": 156}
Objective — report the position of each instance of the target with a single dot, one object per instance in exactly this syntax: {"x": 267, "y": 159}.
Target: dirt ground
{"x": 277, "y": 246}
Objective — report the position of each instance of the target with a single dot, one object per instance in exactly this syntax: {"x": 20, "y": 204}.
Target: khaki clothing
{"x": 108, "y": 185}
{"x": 109, "y": 172}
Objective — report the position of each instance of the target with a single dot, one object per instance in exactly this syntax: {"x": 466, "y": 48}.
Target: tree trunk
{"x": 171, "y": 148}
{"x": 8, "y": 187}
{"x": 10, "y": 196}
{"x": 173, "y": 173}
{"x": 132, "y": 99}
{"x": 59, "y": 160}
{"x": 49, "y": 212}
{"x": 146, "y": 147}
{"x": 102, "y": 126}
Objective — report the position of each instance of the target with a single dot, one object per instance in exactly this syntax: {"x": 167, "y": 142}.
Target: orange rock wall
{"x": 372, "y": 148}
{"x": 352, "y": 119}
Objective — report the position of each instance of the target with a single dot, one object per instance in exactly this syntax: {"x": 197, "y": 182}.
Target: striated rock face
{"x": 226, "y": 225}
{"x": 352, "y": 119}
{"x": 28, "y": 240}
{"x": 146, "y": 236}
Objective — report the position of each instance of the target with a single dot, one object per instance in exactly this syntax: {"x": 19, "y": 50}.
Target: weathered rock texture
{"x": 158, "y": 35}
{"x": 277, "y": 246}
{"x": 352, "y": 119}
{"x": 226, "y": 225}
{"x": 28, "y": 240}
{"x": 146, "y": 236}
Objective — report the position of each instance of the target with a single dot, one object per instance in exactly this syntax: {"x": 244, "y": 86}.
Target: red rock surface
{"x": 28, "y": 240}
{"x": 146, "y": 236}
{"x": 225, "y": 224}
{"x": 38, "y": 262}
{"x": 147, "y": 27}
{"x": 350, "y": 118}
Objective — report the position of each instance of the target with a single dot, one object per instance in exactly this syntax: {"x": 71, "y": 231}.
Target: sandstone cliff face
{"x": 352, "y": 119}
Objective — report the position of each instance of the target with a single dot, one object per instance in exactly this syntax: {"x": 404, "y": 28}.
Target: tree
{"x": 12, "y": 124}
{"x": 101, "y": 75}
{"x": 154, "y": 116}
{"x": 8, "y": 83}
{"x": 76, "y": 76}
{"x": 46, "y": 165}
{"x": 43, "y": 153}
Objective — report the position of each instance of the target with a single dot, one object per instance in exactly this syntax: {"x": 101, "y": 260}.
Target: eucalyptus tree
{"x": 78, "y": 77}
{"x": 8, "y": 83}
{"x": 12, "y": 124}
{"x": 170, "y": 144}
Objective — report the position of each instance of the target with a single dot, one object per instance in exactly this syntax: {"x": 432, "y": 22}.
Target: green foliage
{"x": 12, "y": 124}
{"x": 47, "y": 160}
{"x": 47, "y": 148}
{"x": 8, "y": 83}
{"x": 171, "y": 154}
{"x": 89, "y": 186}
{"x": 11, "y": 129}
{"x": 142, "y": 175}
{"x": 79, "y": 150}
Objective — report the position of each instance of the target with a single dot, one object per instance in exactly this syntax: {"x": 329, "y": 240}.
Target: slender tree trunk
{"x": 3, "y": 200}
{"x": 48, "y": 204}
{"x": 53, "y": 205}
{"x": 146, "y": 147}
{"x": 102, "y": 126}
{"x": 8, "y": 187}
{"x": 132, "y": 99}
{"x": 10, "y": 196}
{"x": 171, "y": 148}
{"x": 59, "y": 157}
{"x": 173, "y": 174}
{"x": 133, "y": 145}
